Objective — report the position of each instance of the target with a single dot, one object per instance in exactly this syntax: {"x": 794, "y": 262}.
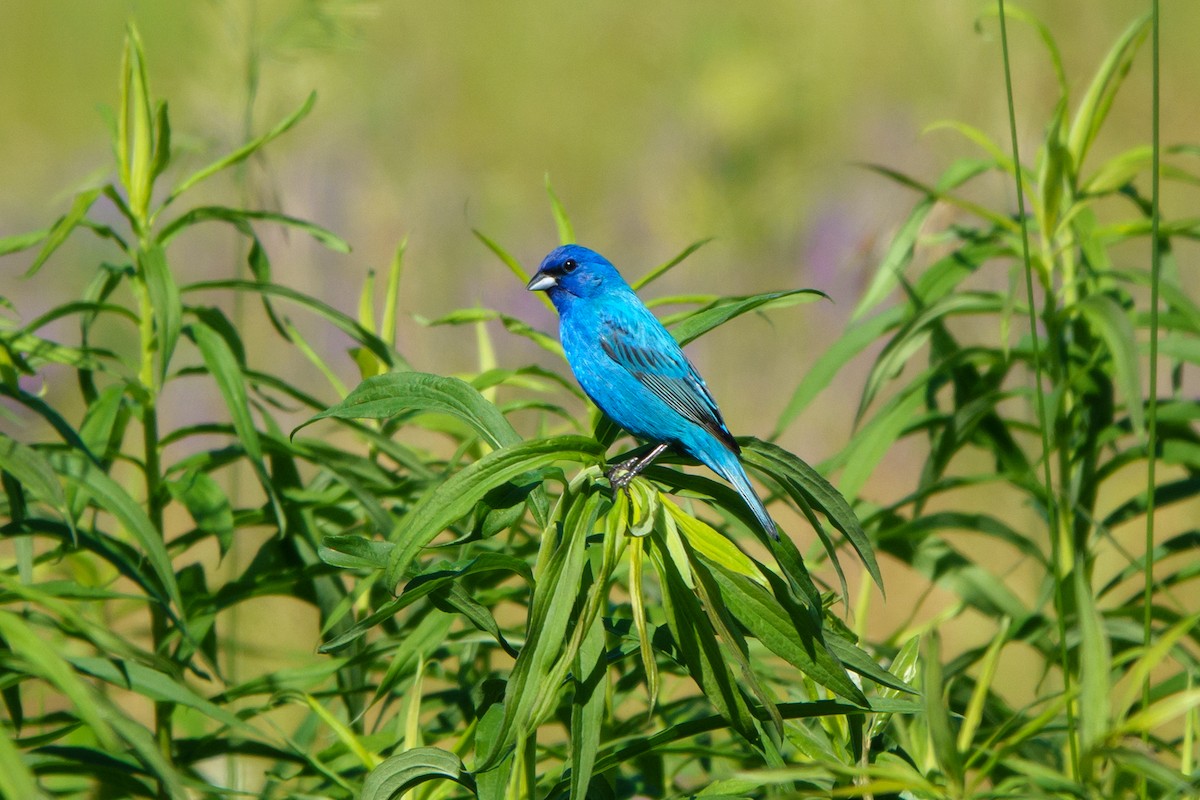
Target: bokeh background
{"x": 658, "y": 124}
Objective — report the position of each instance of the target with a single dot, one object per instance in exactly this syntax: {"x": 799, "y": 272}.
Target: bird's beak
{"x": 541, "y": 282}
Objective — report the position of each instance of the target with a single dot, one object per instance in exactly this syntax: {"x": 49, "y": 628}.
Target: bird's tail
{"x": 730, "y": 468}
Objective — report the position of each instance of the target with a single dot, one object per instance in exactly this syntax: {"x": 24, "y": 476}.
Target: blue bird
{"x": 634, "y": 370}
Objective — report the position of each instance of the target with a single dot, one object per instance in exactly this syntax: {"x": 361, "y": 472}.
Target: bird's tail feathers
{"x": 730, "y": 468}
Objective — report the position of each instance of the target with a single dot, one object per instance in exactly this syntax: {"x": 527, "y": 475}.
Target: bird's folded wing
{"x": 652, "y": 356}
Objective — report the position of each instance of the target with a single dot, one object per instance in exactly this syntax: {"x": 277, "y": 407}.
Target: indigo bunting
{"x": 634, "y": 370}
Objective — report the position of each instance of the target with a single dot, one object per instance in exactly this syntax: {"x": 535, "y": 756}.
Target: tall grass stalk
{"x": 1054, "y": 523}
{"x": 1152, "y": 408}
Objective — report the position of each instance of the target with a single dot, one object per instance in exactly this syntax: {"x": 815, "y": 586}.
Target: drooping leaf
{"x": 385, "y": 396}
{"x": 396, "y": 775}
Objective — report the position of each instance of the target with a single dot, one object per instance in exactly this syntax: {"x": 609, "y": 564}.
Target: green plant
{"x": 114, "y": 600}
{"x": 1054, "y": 420}
{"x": 489, "y": 620}
{"x": 612, "y": 607}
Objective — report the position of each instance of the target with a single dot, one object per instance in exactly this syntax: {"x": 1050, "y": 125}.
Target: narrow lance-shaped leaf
{"x": 1098, "y": 99}
{"x": 700, "y": 322}
{"x": 53, "y": 668}
{"x": 663, "y": 269}
{"x": 61, "y": 230}
{"x": 1095, "y": 662}
{"x": 566, "y": 232}
{"x": 341, "y": 321}
{"x": 246, "y": 150}
{"x": 165, "y": 302}
{"x": 21, "y": 241}
{"x": 587, "y": 707}
{"x": 697, "y": 644}
{"x": 451, "y": 500}
{"x": 31, "y": 469}
{"x": 793, "y": 637}
{"x": 552, "y": 612}
{"x": 136, "y": 109}
{"x": 1108, "y": 320}
{"x": 239, "y": 217}
{"x": 224, "y": 368}
{"x": 774, "y": 460}
{"x": 89, "y": 479}
{"x": 385, "y": 396}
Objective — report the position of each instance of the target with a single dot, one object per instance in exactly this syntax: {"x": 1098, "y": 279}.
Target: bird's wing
{"x": 650, "y": 354}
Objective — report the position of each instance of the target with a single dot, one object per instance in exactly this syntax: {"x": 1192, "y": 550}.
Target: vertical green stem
{"x": 233, "y": 774}
{"x": 1152, "y": 411}
{"x": 152, "y": 470}
{"x": 1052, "y": 509}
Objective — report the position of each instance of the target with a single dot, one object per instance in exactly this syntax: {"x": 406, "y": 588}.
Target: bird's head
{"x": 575, "y": 271}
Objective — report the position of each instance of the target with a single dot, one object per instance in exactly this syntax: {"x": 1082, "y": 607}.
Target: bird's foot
{"x": 621, "y": 475}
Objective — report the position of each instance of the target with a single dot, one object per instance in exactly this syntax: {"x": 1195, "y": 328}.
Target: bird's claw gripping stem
{"x": 621, "y": 475}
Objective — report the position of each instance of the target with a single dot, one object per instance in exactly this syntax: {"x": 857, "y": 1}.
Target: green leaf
{"x": 794, "y": 637}
{"x": 696, "y": 643}
{"x": 60, "y": 231}
{"x": 165, "y": 302}
{"x": 385, "y": 396}
{"x": 89, "y": 480}
{"x": 48, "y": 663}
{"x": 150, "y": 683}
{"x": 663, "y": 269}
{"x": 223, "y": 366}
{"x": 1098, "y": 99}
{"x": 240, "y": 218}
{"x": 710, "y": 544}
{"x": 1095, "y": 662}
{"x": 22, "y": 241}
{"x": 937, "y": 715}
{"x": 16, "y": 778}
{"x": 162, "y": 142}
{"x": 795, "y": 475}
{"x": 343, "y": 322}
{"x": 452, "y": 499}
{"x": 33, "y": 472}
{"x": 397, "y": 774}
{"x": 1053, "y": 171}
{"x": 697, "y": 323}
{"x": 896, "y": 260}
{"x": 566, "y": 232}
{"x": 915, "y": 333}
{"x": 136, "y": 132}
{"x": 246, "y": 150}
{"x": 552, "y": 618}
{"x": 1112, "y": 324}
{"x": 587, "y": 707}
{"x": 207, "y": 504}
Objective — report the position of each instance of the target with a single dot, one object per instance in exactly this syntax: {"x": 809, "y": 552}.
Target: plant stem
{"x": 1152, "y": 411}
{"x": 152, "y": 470}
{"x": 1043, "y": 421}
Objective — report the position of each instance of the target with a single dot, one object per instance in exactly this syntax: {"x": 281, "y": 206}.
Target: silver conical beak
{"x": 541, "y": 282}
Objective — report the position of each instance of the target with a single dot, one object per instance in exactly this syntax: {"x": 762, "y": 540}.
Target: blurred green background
{"x": 658, "y": 124}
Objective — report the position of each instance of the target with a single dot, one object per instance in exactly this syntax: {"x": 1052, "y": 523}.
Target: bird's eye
{"x": 569, "y": 265}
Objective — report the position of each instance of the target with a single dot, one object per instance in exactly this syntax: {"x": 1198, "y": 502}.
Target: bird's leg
{"x": 620, "y": 475}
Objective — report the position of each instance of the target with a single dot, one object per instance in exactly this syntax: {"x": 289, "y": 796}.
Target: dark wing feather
{"x": 656, "y": 361}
